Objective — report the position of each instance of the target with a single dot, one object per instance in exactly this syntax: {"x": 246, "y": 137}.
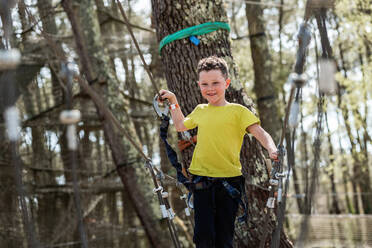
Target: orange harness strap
{"x": 183, "y": 144}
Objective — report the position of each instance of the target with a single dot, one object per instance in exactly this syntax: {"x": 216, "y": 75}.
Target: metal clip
{"x": 160, "y": 112}
{"x": 280, "y": 175}
{"x": 155, "y": 190}
{"x": 171, "y": 214}
{"x": 273, "y": 182}
{"x": 163, "y": 211}
{"x": 186, "y": 135}
{"x": 187, "y": 211}
{"x": 164, "y": 194}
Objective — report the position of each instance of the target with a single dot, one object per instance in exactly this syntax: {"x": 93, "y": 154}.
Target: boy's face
{"x": 213, "y": 86}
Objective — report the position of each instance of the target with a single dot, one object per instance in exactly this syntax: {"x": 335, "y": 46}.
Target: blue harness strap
{"x": 237, "y": 196}
{"x": 172, "y": 155}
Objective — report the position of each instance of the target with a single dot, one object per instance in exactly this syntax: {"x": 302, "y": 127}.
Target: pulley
{"x": 327, "y": 84}
{"x": 293, "y": 115}
{"x": 70, "y": 116}
{"x": 9, "y": 59}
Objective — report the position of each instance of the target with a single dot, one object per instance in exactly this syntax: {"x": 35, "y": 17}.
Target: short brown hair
{"x": 213, "y": 63}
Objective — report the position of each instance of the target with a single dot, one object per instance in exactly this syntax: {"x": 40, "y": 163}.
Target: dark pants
{"x": 215, "y": 211}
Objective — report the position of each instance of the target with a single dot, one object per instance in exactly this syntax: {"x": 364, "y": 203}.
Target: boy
{"x": 221, "y": 129}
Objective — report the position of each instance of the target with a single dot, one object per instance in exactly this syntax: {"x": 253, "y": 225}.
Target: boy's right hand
{"x": 166, "y": 94}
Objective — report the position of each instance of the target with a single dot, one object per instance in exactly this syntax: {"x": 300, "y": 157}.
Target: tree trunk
{"x": 360, "y": 164}
{"x": 10, "y": 236}
{"x": 345, "y": 174}
{"x": 365, "y": 180}
{"x": 264, "y": 88}
{"x": 180, "y": 59}
{"x": 132, "y": 237}
{"x": 335, "y": 209}
{"x": 95, "y": 66}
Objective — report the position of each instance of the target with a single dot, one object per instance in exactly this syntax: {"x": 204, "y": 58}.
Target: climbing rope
{"x": 304, "y": 40}
{"x": 154, "y": 85}
{"x": 297, "y": 81}
{"x": 165, "y": 208}
{"x": 320, "y": 17}
{"x": 70, "y": 118}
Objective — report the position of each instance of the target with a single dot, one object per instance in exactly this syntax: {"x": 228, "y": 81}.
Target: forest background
{"x": 46, "y": 35}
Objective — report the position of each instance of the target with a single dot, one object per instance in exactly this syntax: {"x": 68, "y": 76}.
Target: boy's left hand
{"x": 274, "y": 155}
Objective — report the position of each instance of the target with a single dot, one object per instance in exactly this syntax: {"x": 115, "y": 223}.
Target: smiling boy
{"x": 216, "y": 158}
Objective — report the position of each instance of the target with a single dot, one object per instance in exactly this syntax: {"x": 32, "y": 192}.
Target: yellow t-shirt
{"x": 221, "y": 130}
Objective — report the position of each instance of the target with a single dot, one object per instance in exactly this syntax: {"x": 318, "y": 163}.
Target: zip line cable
{"x": 282, "y": 205}
{"x": 320, "y": 17}
{"x": 71, "y": 118}
{"x": 156, "y": 88}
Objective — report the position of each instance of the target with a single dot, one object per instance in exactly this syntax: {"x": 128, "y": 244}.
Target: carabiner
{"x": 161, "y": 112}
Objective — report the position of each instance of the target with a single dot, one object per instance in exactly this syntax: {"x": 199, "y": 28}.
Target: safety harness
{"x": 194, "y": 182}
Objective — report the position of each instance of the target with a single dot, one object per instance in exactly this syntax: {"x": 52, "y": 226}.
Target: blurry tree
{"x": 95, "y": 66}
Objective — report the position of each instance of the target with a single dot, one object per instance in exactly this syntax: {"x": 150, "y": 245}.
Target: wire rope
{"x": 154, "y": 85}
{"x": 71, "y": 118}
